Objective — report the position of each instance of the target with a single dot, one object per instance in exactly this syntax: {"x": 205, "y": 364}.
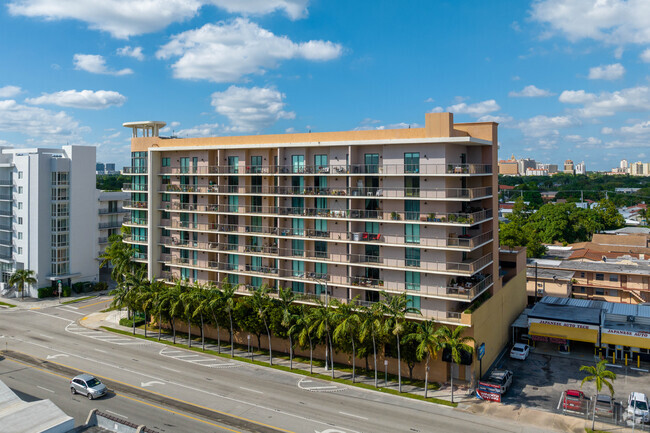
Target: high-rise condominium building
{"x": 568, "y": 167}
{"x": 48, "y": 215}
{"x": 581, "y": 168}
{"x": 111, "y": 215}
{"x": 338, "y": 214}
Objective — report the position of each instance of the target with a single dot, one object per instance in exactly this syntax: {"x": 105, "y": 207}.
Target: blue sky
{"x": 565, "y": 79}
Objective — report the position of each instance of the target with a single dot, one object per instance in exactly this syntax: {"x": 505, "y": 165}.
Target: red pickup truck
{"x": 574, "y": 400}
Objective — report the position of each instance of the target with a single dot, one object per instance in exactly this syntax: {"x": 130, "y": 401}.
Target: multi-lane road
{"x": 173, "y": 390}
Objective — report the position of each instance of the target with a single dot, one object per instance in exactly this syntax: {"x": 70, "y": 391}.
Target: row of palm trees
{"x": 353, "y": 328}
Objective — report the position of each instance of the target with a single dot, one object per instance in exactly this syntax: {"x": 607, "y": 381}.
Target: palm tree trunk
{"x": 189, "y": 332}
{"x": 311, "y": 357}
{"x": 218, "y": 333}
{"x": 329, "y": 339}
{"x": 133, "y": 322}
{"x": 452, "y": 382}
{"x": 173, "y": 330}
{"x": 426, "y": 378}
{"x": 202, "y": 335}
{"x": 159, "y": 325}
{"x": 354, "y": 355}
{"x": 290, "y": 354}
{"x": 374, "y": 354}
{"x": 399, "y": 366}
{"x": 268, "y": 333}
{"x": 232, "y": 344}
{"x": 145, "y": 323}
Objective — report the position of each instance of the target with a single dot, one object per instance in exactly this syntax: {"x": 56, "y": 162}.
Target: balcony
{"x": 134, "y": 187}
{"x": 134, "y": 170}
{"x": 135, "y": 204}
{"x": 6, "y": 182}
{"x": 467, "y": 267}
{"x": 334, "y": 168}
{"x": 112, "y": 224}
{"x": 130, "y": 221}
{"x": 139, "y": 256}
{"x": 6, "y": 197}
{"x": 130, "y": 239}
{"x": 109, "y": 211}
{"x": 6, "y": 213}
{"x": 102, "y": 240}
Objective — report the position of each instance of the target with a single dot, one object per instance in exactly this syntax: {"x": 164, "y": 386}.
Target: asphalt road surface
{"x": 172, "y": 390}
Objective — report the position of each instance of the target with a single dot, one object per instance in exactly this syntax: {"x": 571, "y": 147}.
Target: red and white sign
{"x": 639, "y": 334}
{"x": 490, "y": 396}
{"x": 563, "y": 324}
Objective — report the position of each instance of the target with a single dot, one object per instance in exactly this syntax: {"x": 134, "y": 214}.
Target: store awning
{"x": 618, "y": 338}
{"x": 563, "y": 332}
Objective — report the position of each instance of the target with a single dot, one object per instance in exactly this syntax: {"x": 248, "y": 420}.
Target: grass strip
{"x": 7, "y": 305}
{"x": 287, "y": 369}
{"x": 73, "y": 301}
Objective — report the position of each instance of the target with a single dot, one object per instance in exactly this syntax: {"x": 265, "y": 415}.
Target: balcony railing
{"x": 6, "y": 182}
{"x": 332, "y": 168}
{"x": 6, "y": 213}
{"x": 433, "y": 194}
{"x": 114, "y": 224}
{"x": 111, "y": 211}
{"x": 134, "y": 187}
{"x": 130, "y": 239}
{"x": 102, "y": 240}
{"x": 134, "y": 170}
{"x": 6, "y": 197}
{"x": 135, "y": 221}
{"x": 467, "y": 267}
{"x": 137, "y": 255}
{"x": 135, "y": 204}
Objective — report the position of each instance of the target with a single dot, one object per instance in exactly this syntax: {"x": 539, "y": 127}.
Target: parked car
{"x": 604, "y": 406}
{"x": 87, "y": 385}
{"x": 520, "y": 351}
{"x": 637, "y": 407}
{"x": 498, "y": 382}
{"x": 574, "y": 400}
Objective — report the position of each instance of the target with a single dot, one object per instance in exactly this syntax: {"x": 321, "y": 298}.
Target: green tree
{"x": 456, "y": 343}
{"x": 176, "y": 306}
{"x": 429, "y": 343}
{"x": 201, "y": 303}
{"x": 396, "y": 307}
{"x": 215, "y": 307}
{"x": 601, "y": 376}
{"x": 348, "y": 322}
{"x": 228, "y": 303}
{"x": 286, "y": 298}
{"x": 322, "y": 325}
{"x": 119, "y": 255}
{"x": 21, "y": 278}
{"x": 137, "y": 284}
{"x": 372, "y": 319}
{"x": 302, "y": 327}
{"x": 261, "y": 302}
{"x": 156, "y": 287}
{"x": 249, "y": 320}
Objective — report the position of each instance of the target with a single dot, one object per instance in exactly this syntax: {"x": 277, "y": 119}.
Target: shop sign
{"x": 639, "y": 334}
{"x": 539, "y": 338}
{"x": 563, "y": 324}
{"x": 490, "y": 396}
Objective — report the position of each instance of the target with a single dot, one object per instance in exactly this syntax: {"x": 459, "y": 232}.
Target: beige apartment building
{"x": 332, "y": 214}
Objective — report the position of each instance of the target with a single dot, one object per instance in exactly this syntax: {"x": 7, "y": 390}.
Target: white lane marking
{"x": 182, "y": 385}
{"x": 42, "y": 335}
{"x": 251, "y": 390}
{"x": 73, "y": 328}
{"x": 196, "y": 359}
{"x": 68, "y": 306}
{"x": 116, "y": 414}
{"x": 70, "y": 311}
{"x": 172, "y": 351}
{"x": 170, "y": 369}
{"x": 51, "y": 315}
{"x": 353, "y": 415}
{"x": 100, "y": 350}
{"x": 49, "y": 390}
{"x": 185, "y": 356}
{"x": 150, "y": 383}
{"x": 56, "y": 356}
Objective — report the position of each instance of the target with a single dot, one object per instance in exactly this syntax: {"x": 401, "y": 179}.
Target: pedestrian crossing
{"x": 76, "y": 329}
{"x": 196, "y": 359}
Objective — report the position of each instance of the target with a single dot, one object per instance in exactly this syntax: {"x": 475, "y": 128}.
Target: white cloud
{"x": 87, "y": 99}
{"x": 541, "y": 126}
{"x": 290, "y": 130}
{"x": 251, "y": 109}
{"x": 129, "y": 51}
{"x": 645, "y": 56}
{"x": 635, "y": 99}
{"x": 227, "y": 51}
{"x": 610, "y": 21}
{"x": 437, "y": 110}
{"x": 607, "y": 72}
{"x": 36, "y": 121}
{"x": 606, "y": 130}
{"x": 618, "y": 52}
{"x": 368, "y": 124}
{"x": 429, "y": 100}
{"x": 120, "y": 18}
{"x": 295, "y": 9}
{"x": 204, "y": 130}
{"x": 97, "y": 65}
{"x": 498, "y": 119}
{"x": 530, "y": 92}
{"x": 642, "y": 128}
{"x": 478, "y": 109}
{"x": 9, "y": 91}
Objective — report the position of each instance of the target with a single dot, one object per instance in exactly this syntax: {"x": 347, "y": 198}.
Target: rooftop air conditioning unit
{"x": 630, "y": 318}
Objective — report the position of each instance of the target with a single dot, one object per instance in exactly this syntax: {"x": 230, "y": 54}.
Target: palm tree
{"x": 455, "y": 343}
{"x": 396, "y": 307}
{"x": 202, "y": 299}
{"x": 215, "y": 303}
{"x": 371, "y": 325}
{"x": 287, "y": 297}
{"x": 321, "y": 324}
{"x": 188, "y": 299}
{"x": 348, "y": 323}
{"x": 119, "y": 255}
{"x": 163, "y": 308}
{"x": 20, "y": 278}
{"x": 176, "y": 306}
{"x": 303, "y": 328}
{"x": 429, "y": 344}
{"x": 600, "y": 375}
{"x": 137, "y": 284}
{"x": 228, "y": 299}
{"x": 261, "y": 302}
{"x": 120, "y": 296}
{"x": 156, "y": 287}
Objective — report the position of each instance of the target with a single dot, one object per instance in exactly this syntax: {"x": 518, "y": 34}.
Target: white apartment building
{"x": 48, "y": 215}
{"x": 581, "y": 168}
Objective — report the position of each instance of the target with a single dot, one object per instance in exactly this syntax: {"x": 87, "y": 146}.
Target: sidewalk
{"x": 36, "y": 303}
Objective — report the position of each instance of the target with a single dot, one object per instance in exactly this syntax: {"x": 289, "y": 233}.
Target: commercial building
{"x": 568, "y": 167}
{"x": 619, "y": 332}
{"x": 48, "y": 215}
{"x": 334, "y": 214}
{"x": 509, "y": 167}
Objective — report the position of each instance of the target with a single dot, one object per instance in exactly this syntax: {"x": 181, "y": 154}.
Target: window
{"x": 20, "y": 175}
{"x": 20, "y": 190}
{"x": 298, "y": 287}
{"x": 20, "y": 235}
{"x": 412, "y": 256}
{"x": 412, "y": 210}
{"x": 412, "y": 280}
{"x": 320, "y": 162}
{"x": 233, "y": 203}
{"x": 600, "y": 277}
{"x": 20, "y": 250}
{"x": 166, "y": 198}
{"x": 413, "y": 302}
{"x": 320, "y": 226}
{"x": 297, "y": 247}
{"x": 600, "y": 292}
{"x": 412, "y": 162}
{"x": 412, "y": 233}
{"x": 166, "y": 162}
{"x": 298, "y": 185}
{"x": 256, "y": 164}
{"x": 321, "y": 203}
{"x": 411, "y": 186}
{"x": 233, "y": 262}
{"x": 372, "y": 227}
{"x": 297, "y": 163}
{"x": 613, "y": 278}
{"x": 320, "y": 248}
{"x": 256, "y": 224}
{"x": 582, "y": 274}
{"x": 20, "y": 220}
{"x": 298, "y": 268}
{"x": 233, "y": 242}
{"x": 20, "y": 205}
{"x": 185, "y": 165}
{"x": 233, "y": 163}
{"x": 371, "y": 162}
{"x": 321, "y": 270}
{"x": 613, "y": 292}
{"x": 298, "y": 225}
{"x": 256, "y": 264}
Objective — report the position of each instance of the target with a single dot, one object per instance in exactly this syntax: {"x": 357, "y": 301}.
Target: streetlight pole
{"x": 536, "y": 281}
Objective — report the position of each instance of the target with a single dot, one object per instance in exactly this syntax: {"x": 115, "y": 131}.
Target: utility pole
{"x": 536, "y": 281}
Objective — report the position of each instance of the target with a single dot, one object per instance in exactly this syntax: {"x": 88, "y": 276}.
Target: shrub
{"x": 66, "y": 291}
{"x": 139, "y": 321}
{"x": 101, "y": 286}
{"x": 45, "y": 292}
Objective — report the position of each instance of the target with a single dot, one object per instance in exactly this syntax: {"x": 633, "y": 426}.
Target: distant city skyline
{"x": 560, "y": 77}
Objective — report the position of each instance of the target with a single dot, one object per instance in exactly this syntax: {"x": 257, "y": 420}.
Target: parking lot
{"x": 540, "y": 380}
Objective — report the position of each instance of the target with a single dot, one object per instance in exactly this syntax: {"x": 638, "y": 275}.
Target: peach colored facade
{"x": 339, "y": 214}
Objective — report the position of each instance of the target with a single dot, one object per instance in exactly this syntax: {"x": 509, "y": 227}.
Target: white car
{"x": 520, "y": 351}
{"x": 637, "y": 407}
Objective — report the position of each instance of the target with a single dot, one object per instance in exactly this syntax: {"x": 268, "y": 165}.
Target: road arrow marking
{"x": 56, "y": 356}
{"x": 153, "y": 382}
